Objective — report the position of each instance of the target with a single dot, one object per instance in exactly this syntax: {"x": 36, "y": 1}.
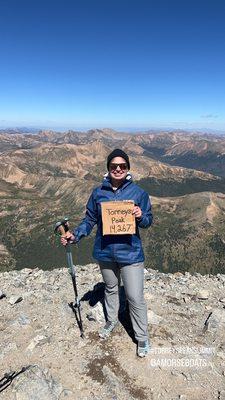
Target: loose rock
{"x": 216, "y": 321}
{"x": 203, "y": 294}
{"x": 153, "y": 319}
{"x": 15, "y": 299}
{"x": 96, "y": 313}
{"x": 2, "y": 295}
{"x": 37, "y": 341}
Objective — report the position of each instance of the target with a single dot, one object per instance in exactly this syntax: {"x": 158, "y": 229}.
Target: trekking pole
{"x": 62, "y": 229}
{"x": 8, "y": 378}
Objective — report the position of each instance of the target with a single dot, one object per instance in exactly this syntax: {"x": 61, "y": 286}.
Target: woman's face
{"x": 118, "y": 168}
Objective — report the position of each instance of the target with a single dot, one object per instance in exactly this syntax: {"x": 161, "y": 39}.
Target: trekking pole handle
{"x": 62, "y": 228}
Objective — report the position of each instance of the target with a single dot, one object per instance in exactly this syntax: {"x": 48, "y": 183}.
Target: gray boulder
{"x": 36, "y": 384}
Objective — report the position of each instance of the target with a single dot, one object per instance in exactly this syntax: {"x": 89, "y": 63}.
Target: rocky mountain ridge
{"x": 48, "y": 175}
{"x": 200, "y": 151}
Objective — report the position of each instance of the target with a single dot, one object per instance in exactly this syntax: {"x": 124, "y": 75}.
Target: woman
{"x": 119, "y": 255}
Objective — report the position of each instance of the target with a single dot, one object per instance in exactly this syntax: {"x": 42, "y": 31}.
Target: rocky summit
{"x": 43, "y": 356}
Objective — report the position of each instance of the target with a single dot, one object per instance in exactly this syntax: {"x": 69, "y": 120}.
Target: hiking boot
{"x": 107, "y": 329}
{"x": 142, "y": 348}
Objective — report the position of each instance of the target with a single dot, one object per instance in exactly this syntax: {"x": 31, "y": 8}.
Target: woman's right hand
{"x": 69, "y": 238}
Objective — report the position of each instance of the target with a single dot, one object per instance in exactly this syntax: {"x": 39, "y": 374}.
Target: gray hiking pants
{"x": 133, "y": 281}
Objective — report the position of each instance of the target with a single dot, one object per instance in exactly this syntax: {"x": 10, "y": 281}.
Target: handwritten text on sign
{"x": 117, "y": 217}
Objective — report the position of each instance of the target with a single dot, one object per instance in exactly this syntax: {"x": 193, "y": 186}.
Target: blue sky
{"x": 90, "y": 63}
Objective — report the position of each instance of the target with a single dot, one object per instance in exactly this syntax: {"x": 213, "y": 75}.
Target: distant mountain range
{"x": 46, "y": 175}
{"x": 130, "y": 130}
{"x": 22, "y": 130}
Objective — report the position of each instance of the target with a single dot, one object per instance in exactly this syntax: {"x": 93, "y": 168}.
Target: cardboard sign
{"x": 117, "y": 217}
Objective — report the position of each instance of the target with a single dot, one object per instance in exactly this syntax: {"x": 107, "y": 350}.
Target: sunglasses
{"x": 113, "y": 167}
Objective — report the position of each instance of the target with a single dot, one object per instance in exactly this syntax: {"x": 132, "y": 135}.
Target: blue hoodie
{"x": 126, "y": 249}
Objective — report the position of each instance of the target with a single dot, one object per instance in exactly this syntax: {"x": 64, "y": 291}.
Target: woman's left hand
{"x": 137, "y": 212}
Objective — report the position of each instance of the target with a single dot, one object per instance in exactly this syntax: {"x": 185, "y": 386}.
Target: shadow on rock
{"x": 96, "y": 295}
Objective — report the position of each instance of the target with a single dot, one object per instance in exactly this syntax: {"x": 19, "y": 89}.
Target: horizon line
{"x": 63, "y": 129}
